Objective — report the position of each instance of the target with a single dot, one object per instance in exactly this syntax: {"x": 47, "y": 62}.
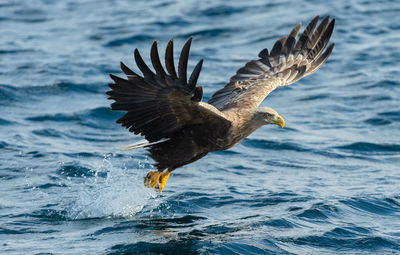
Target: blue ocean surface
{"x": 327, "y": 183}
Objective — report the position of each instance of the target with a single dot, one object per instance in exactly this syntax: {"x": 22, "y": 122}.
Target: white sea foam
{"x": 113, "y": 191}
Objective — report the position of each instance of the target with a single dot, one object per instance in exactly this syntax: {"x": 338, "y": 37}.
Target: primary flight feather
{"x": 167, "y": 109}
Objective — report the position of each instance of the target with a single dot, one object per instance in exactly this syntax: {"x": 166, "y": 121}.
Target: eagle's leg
{"x": 152, "y": 178}
{"x": 163, "y": 179}
{"x": 157, "y": 179}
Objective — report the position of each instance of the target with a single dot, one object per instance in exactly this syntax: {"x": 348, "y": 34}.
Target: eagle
{"x": 166, "y": 107}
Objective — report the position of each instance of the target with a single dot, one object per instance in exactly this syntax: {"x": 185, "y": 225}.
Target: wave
{"x": 16, "y": 51}
{"x": 315, "y": 97}
{"x": 171, "y": 247}
{"x": 370, "y": 148}
{"x": 98, "y": 118}
{"x": 131, "y": 40}
{"x": 383, "y": 206}
{"x": 60, "y": 87}
{"x": 378, "y": 121}
{"x": 209, "y": 33}
{"x": 272, "y": 145}
{"x": 54, "y": 117}
{"x": 48, "y": 132}
{"x": 174, "y": 21}
{"x": 391, "y": 115}
{"x": 277, "y": 223}
{"x": 22, "y": 94}
{"x": 357, "y": 243}
{"x": 4, "y": 122}
{"x": 383, "y": 84}
{"x": 221, "y": 10}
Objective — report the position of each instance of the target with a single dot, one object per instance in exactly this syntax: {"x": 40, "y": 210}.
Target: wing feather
{"x": 302, "y": 42}
{"x": 160, "y": 104}
{"x": 288, "y": 61}
{"x": 291, "y": 40}
{"x": 195, "y": 74}
{"x": 183, "y": 60}
{"x": 169, "y": 59}
{"x": 155, "y": 60}
{"x": 126, "y": 70}
{"x": 142, "y": 66}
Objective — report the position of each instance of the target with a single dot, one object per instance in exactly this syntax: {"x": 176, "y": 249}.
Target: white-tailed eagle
{"x": 165, "y": 106}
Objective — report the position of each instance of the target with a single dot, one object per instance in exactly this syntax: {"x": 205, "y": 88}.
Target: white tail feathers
{"x": 140, "y": 144}
{"x": 134, "y": 146}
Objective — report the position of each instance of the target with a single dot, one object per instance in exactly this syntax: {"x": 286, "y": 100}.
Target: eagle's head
{"x": 267, "y": 115}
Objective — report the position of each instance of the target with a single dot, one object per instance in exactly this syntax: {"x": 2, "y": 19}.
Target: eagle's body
{"x": 195, "y": 141}
{"x": 166, "y": 107}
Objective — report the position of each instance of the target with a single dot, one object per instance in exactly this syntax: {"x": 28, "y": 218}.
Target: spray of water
{"x": 112, "y": 191}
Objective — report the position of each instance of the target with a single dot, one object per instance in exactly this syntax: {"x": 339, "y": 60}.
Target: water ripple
{"x": 131, "y": 40}
{"x": 325, "y": 184}
{"x": 370, "y": 148}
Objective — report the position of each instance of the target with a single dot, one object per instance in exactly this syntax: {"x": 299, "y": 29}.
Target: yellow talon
{"x": 152, "y": 178}
{"x": 156, "y": 179}
{"x": 163, "y": 180}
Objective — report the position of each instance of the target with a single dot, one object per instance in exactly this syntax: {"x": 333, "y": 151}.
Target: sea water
{"x": 327, "y": 183}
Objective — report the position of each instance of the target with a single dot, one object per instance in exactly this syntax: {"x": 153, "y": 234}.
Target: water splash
{"x": 113, "y": 191}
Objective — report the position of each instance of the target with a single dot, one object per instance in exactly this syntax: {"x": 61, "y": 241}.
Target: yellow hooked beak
{"x": 279, "y": 121}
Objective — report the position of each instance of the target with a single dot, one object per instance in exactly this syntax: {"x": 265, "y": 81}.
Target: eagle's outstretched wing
{"x": 159, "y": 104}
{"x": 288, "y": 61}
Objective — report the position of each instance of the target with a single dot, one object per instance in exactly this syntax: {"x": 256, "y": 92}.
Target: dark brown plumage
{"x": 166, "y": 107}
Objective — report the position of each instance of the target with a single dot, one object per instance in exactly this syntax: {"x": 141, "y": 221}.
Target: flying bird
{"x": 167, "y": 109}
